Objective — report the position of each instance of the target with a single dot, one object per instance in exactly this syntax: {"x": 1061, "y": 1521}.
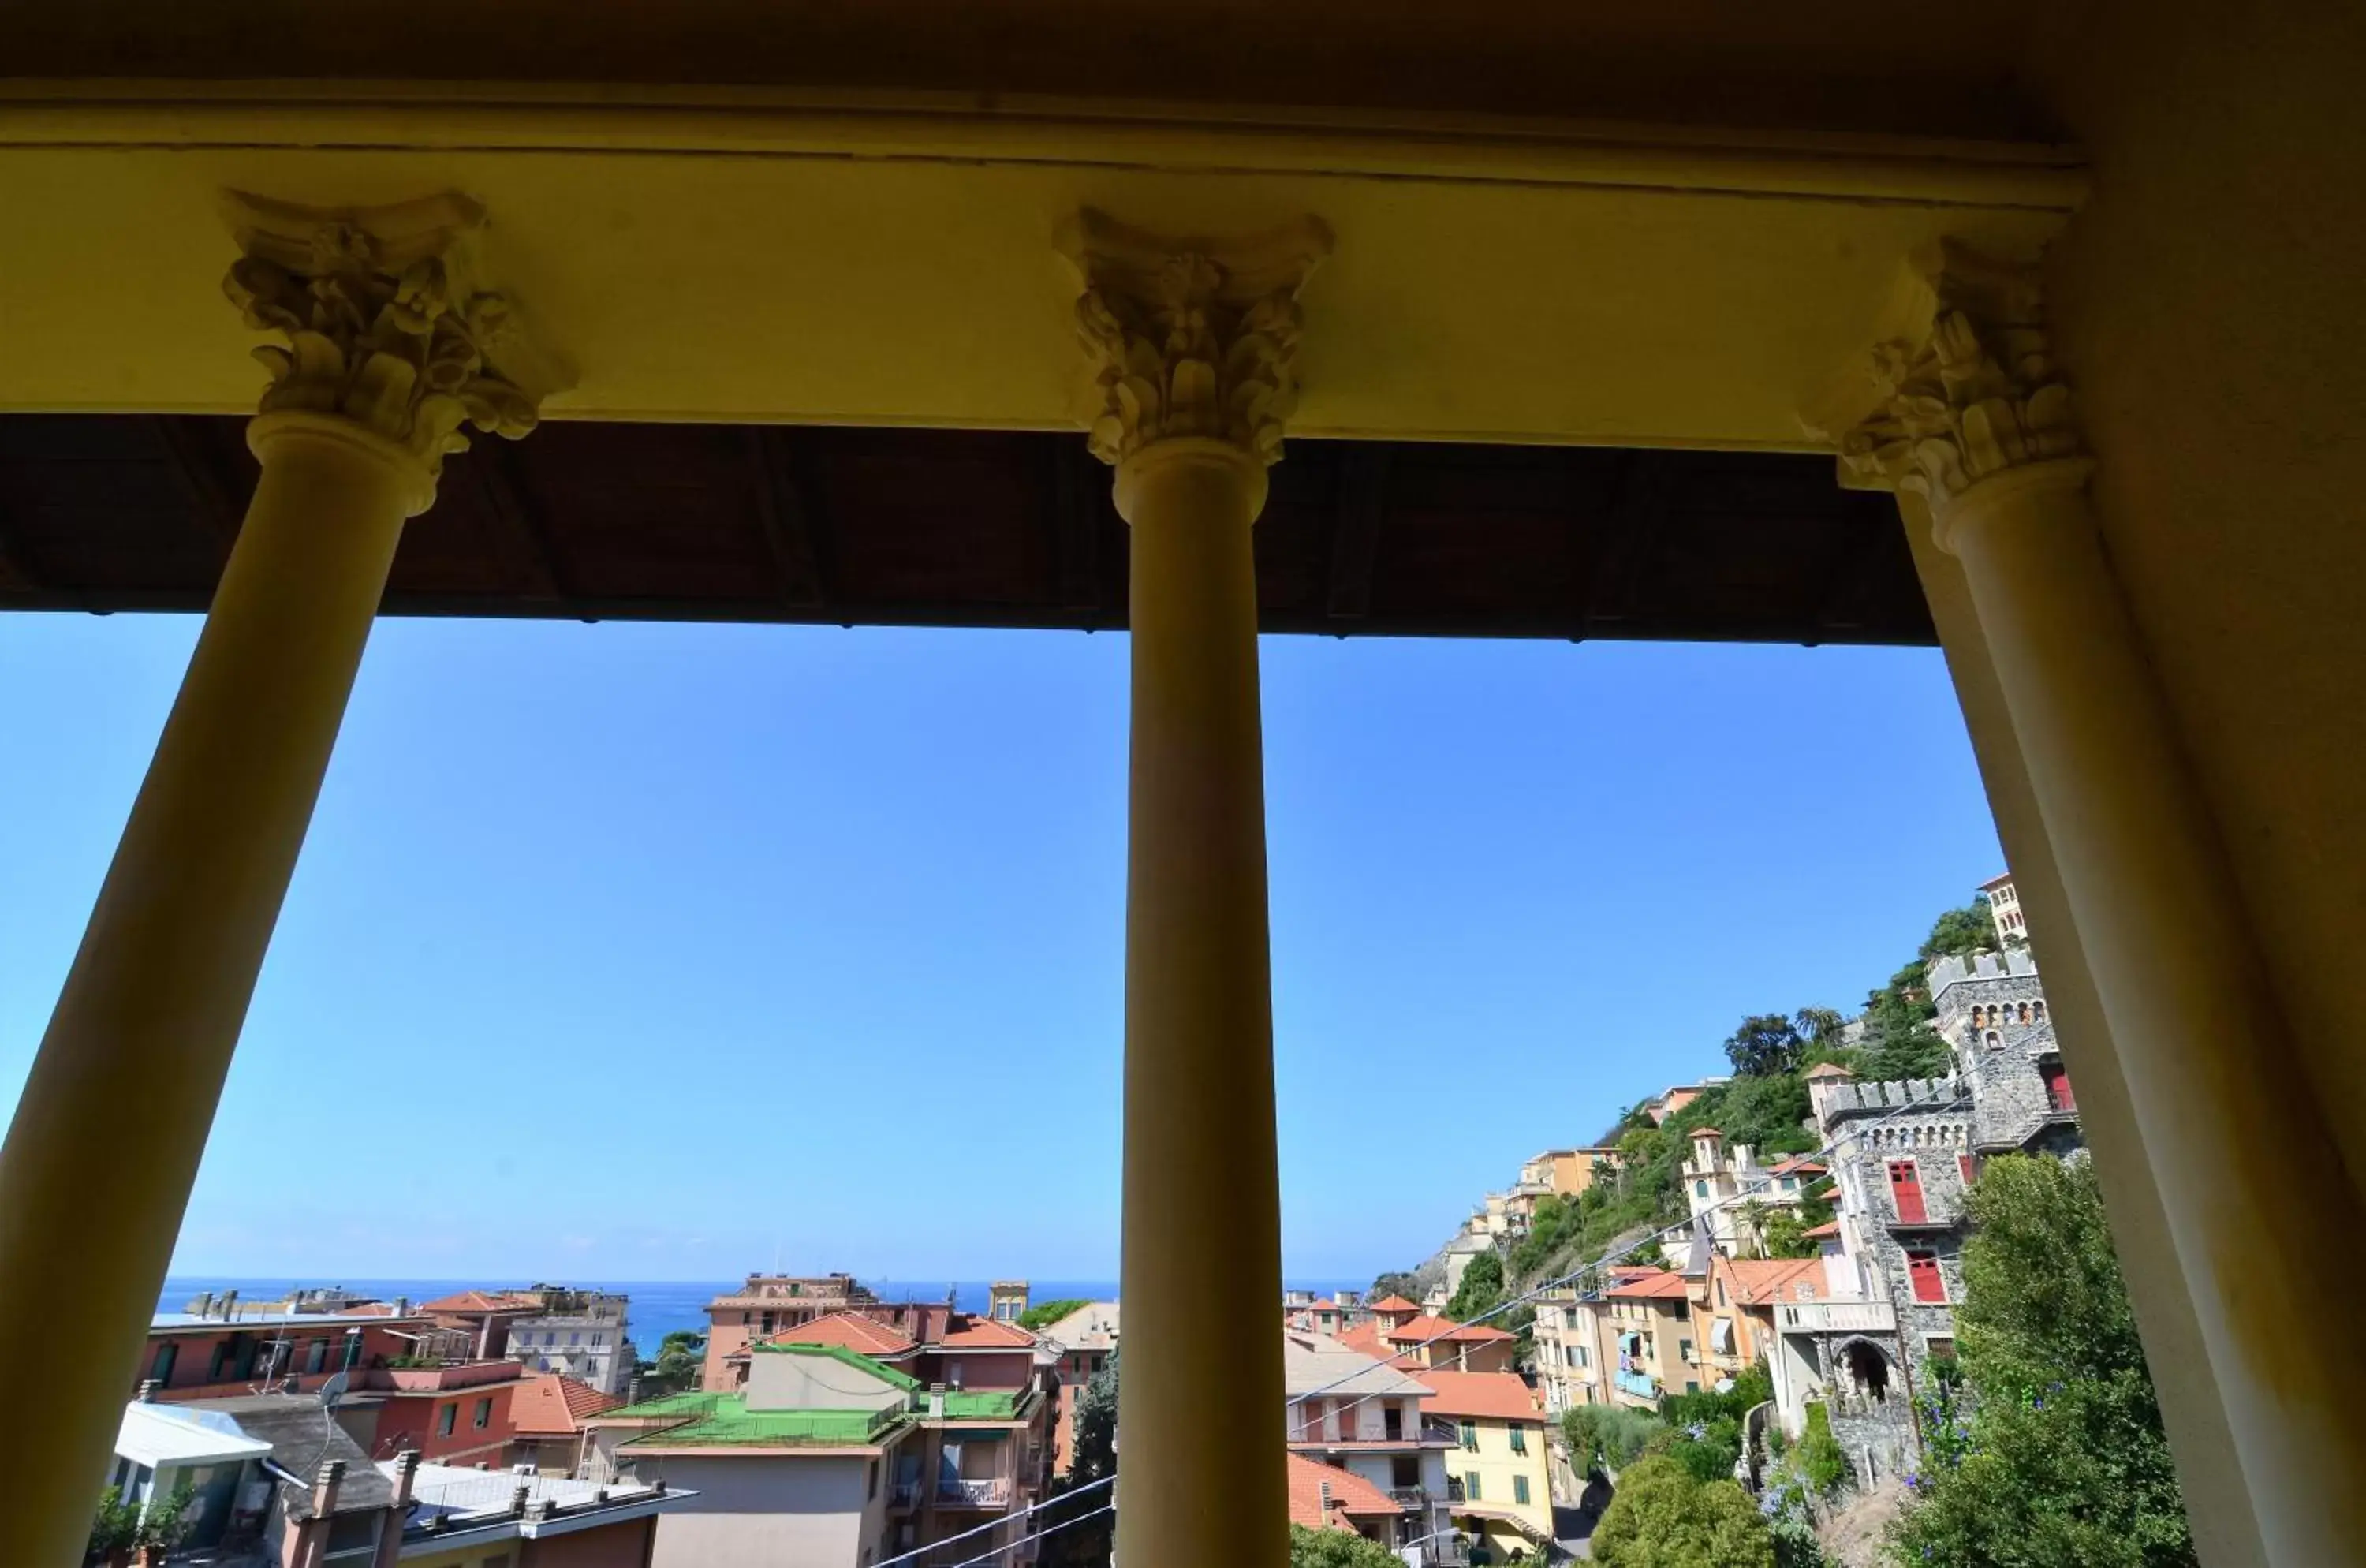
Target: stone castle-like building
{"x": 1905, "y": 1153}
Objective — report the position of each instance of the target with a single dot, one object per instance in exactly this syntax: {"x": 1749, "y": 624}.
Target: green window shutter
{"x": 1471, "y": 1435}
{"x": 1519, "y": 1439}
{"x": 1519, "y": 1489}
{"x": 1471, "y": 1487}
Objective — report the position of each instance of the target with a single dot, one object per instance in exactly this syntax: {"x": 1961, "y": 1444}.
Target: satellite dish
{"x": 334, "y": 1390}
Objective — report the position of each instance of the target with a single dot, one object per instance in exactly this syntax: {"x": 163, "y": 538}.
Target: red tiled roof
{"x": 1416, "y": 1330}
{"x": 548, "y": 1405}
{"x": 1325, "y": 1305}
{"x": 1395, "y": 1304}
{"x": 985, "y": 1334}
{"x": 849, "y": 1331}
{"x": 1830, "y": 1227}
{"x": 1758, "y": 1282}
{"x": 1648, "y": 1286}
{"x": 1706, "y": 1133}
{"x": 485, "y": 1301}
{"x": 1827, "y": 1071}
{"x": 1501, "y": 1395}
{"x": 1798, "y": 1168}
{"x": 1351, "y": 1496}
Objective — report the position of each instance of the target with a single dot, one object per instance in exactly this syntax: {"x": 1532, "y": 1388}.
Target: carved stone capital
{"x": 1971, "y": 392}
{"x": 1190, "y": 337}
{"x": 383, "y": 325}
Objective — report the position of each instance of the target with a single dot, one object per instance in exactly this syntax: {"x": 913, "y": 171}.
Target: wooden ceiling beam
{"x": 1356, "y": 523}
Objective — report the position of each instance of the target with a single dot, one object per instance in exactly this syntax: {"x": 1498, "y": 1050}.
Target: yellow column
{"x": 1196, "y": 344}
{"x": 1974, "y": 419}
{"x": 381, "y": 367}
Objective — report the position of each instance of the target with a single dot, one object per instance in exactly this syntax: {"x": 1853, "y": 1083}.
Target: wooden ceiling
{"x": 935, "y": 527}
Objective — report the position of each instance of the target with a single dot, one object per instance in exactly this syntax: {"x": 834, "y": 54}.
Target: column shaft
{"x": 106, "y": 1138}
{"x": 2252, "y": 1186}
{"x": 1200, "y": 1411}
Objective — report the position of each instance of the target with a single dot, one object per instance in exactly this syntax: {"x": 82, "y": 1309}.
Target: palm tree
{"x": 1819, "y": 1026}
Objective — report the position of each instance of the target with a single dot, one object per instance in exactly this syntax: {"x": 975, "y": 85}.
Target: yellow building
{"x": 1577, "y": 319}
{"x": 1502, "y": 1471}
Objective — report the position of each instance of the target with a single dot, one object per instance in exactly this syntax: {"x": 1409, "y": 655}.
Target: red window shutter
{"x": 2057, "y": 1086}
{"x": 1964, "y": 1167}
{"x": 1923, "y": 1271}
{"x": 1906, "y": 1190}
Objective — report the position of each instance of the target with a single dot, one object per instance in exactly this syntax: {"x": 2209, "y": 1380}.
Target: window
{"x": 484, "y": 1413}
{"x": 1906, "y": 1191}
{"x": 1967, "y": 1169}
{"x": 871, "y": 1479}
{"x": 1691, "y": 1387}
{"x": 2039, "y": 1009}
{"x": 1790, "y": 1184}
{"x": 1471, "y": 1435}
{"x": 1519, "y": 1439}
{"x": 1471, "y": 1487}
{"x": 574, "y": 1337}
{"x": 1685, "y": 1351}
{"x": 160, "y": 1369}
{"x": 1995, "y": 1042}
{"x": 1939, "y": 1347}
{"x": 2057, "y": 1087}
{"x": 317, "y": 1357}
{"x": 1580, "y": 1355}
{"x": 445, "y": 1416}
{"x": 1700, "y": 1189}
{"x": 767, "y": 1329}
{"x": 1720, "y": 1292}
{"x": 1922, "y": 1273}
{"x": 2023, "y": 1012}
{"x": 1519, "y": 1489}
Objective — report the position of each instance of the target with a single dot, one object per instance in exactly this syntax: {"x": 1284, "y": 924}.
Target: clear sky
{"x": 642, "y": 951}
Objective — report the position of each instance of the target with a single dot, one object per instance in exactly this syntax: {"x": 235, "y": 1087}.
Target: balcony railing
{"x": 1445, "y": 1432}
{"x": 1836, "y": 1318}
{"x": 1414, "y": 1498}
{"x": 903, "y": 1493}
{"x": 1637, "y": 1384}
{"x": 992, "y": 1492}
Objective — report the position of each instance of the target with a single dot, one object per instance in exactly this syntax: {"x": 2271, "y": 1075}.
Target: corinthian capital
{"x": 1971, "y": 392}
{"x": 382, "y": 325}
{"x": 1192, "y": 337}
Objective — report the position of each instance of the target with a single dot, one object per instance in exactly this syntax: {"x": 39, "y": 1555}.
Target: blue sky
{"x": 640, "y": 952}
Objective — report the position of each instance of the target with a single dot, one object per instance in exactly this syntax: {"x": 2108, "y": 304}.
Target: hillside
{"x": 1765, "y": 1105}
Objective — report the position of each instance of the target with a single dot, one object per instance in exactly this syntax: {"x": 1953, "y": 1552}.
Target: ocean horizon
{"x": 658, "y": 1307}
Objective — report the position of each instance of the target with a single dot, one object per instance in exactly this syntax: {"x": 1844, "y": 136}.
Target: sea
{"x": 658, "y": 1307}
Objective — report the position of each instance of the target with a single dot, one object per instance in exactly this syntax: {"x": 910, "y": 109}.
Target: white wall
{"x": 769, "y": 1511}
{"x": 779, "y": 1380}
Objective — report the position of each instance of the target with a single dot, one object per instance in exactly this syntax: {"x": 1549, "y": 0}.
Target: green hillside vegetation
{"x": 1764, "y": 1106}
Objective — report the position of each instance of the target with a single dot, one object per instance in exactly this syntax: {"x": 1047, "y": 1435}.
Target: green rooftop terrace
{"x": 724, "y": 1420}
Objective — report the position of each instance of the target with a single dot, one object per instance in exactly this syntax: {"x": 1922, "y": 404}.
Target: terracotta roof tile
{"x": 1759, "y": 1282}
{"x": 849, "y": 1331}
{"x": 1647, "y": 1287}
{"x": 963, "y": 1333}
{"x": 1351, "y": 1496}
{"x": 1501, "y": 1395}
{"x": 548, "y": 1405}
{"x": 1395, "y": 1304}
{"x": 485, "y": 1301}
{"x": 1830, "y": 1227}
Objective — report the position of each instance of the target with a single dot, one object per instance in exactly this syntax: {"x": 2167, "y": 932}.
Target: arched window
{"x": 2024, "y": 1012}
{"x": 1995, "y": 1041}
{"x": 2040, "y": 1012}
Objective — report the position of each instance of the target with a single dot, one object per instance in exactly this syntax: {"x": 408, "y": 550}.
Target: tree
{"x": 1661, "y": 1517}
{"x": 1610, "y": 1436}
{"x": 1766, "y": 1044}
{"x": 1784, "y": 1234}
{"x": 1480, "y": 1291}
{"x": 1337, "y": 1549}
{"x": 2062, "y": 1459}
{"x": 1092, "y": 1459}
{"x": 1044, "y": 1313}
{"x": 1396, "y": 1282}
{"x": 1960, "y": 931}
{"x": 680, "y": 1361}
{"x": 1820, "y": 1027}
{"x": 113, "y": 1528}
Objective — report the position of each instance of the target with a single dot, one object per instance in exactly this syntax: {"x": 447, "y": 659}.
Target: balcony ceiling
{"x": 985, "y": 528}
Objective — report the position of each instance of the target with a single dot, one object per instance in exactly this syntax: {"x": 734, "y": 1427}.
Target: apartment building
{"x": 1647, "y": 1317}
{"x": 1404, "y": 1335}
{"x": 1731, "y": 1190}
{"x": 1078, "y": 1346}
{"x": 847, "y": 1440}
{"x": 1349, "y": 1411}
{"x": 1502, "y": 1459}
{"x": 546, "y": 1416}
{"x": 583, "y": 1335}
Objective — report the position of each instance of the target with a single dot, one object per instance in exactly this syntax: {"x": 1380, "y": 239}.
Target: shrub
{"x": 1661, "y": 1517}
{"x": 1606, "y": 1434}
{"x": 1820, "y": 1459}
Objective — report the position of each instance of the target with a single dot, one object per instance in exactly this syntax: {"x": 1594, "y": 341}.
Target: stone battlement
{"x": 2013, "y": 964}
{"x": 1840, "y": 1098}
